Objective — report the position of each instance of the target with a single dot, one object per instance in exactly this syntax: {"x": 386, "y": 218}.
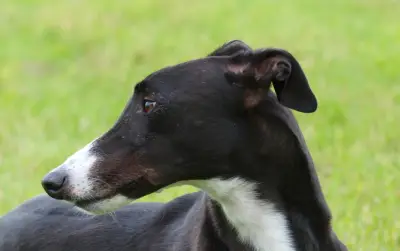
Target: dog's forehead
{"x": 194, "y": 74}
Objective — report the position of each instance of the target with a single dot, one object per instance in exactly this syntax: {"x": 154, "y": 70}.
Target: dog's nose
{"x": 54, "y": 184}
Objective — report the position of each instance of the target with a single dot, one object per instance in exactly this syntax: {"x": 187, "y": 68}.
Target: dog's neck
{"x": 281, "y": 208}
{"x": 259, "y": 224}
{"x": 262, "y": 219}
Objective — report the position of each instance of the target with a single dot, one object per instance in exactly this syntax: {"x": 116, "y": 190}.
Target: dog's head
{"x": 191, "y": 121}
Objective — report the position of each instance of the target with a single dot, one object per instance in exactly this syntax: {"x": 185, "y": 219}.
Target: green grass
{"x": 67, "y": 68}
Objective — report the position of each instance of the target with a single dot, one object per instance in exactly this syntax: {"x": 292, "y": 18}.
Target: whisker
{"x": 82, "y": 213}
{"x": 114, "y": 218}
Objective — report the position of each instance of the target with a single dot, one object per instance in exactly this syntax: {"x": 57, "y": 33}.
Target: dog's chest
{"x": 257, "y": 223}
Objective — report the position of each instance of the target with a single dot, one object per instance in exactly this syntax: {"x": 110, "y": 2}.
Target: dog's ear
{"x": 256, "y": 70}
{"x": 230, "y": 48}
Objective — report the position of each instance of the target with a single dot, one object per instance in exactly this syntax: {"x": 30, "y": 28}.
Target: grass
{"x": 67, "y": 68}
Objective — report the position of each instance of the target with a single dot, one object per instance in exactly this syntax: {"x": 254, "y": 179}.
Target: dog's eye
{"x": 148, "y": 105}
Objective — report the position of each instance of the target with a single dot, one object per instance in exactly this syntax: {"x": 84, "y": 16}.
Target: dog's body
{"x": 212, "y": 123}
{"x": 142, "y": 226}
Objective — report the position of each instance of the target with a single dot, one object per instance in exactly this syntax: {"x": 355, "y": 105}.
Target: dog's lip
{"x": 135, "y": 189}
{"x": 83, "y": 203}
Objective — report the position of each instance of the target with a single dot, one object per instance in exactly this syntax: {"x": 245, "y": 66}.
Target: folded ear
{"x": 230, "y": 48}
{"x": 255, "y": 70}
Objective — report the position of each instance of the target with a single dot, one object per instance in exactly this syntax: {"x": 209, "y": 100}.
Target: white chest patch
{"x": 257, "y": 222}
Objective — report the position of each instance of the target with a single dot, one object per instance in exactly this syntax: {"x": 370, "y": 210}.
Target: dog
{"x": 214, "y": 123}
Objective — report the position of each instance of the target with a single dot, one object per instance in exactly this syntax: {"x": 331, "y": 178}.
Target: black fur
{"x": 215, "y": 117}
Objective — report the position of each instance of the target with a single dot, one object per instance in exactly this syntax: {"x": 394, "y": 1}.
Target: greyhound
{"x": 214, "y": 123}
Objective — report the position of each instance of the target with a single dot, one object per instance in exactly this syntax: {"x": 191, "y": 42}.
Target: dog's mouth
{"x": 104, "y": 205}
{"x": 120, "y": 197}
{"x": 85, "y": 203}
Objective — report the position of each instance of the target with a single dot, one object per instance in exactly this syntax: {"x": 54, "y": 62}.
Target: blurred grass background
{"x": 67, "y": 68}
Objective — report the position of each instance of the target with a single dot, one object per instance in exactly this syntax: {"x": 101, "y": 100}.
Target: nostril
{"x": 53, "y": 184}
